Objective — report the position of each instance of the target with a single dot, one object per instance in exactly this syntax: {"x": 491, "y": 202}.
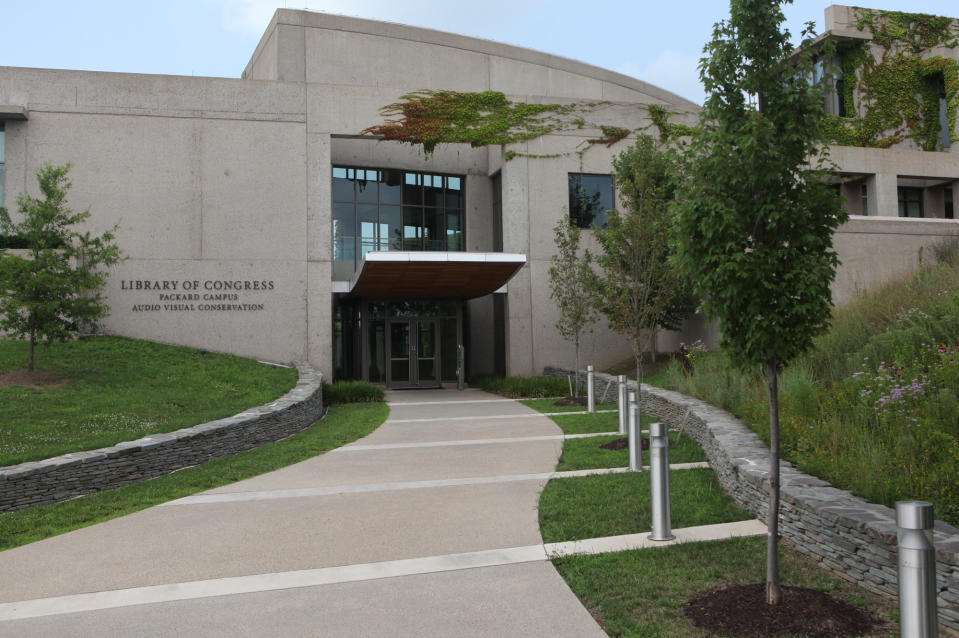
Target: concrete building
{"x": 258, "y": 218}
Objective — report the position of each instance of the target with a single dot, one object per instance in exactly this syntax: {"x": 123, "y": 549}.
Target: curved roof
{"x": 284, "y": 53}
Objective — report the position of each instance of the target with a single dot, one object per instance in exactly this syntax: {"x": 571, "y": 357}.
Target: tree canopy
{"x": 756, "y": 210}
{"x": 56, "y": 289}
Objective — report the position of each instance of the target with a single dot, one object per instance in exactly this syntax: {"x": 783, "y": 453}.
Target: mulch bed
{"x": 35, "y": 379}
{"x": 623, "y": 443}
{"x": 742, "y": 611}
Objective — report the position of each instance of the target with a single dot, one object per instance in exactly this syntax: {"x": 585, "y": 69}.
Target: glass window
{"x": 910, "y": 202}
{"x": 388, "y": 209}
{"x": 590, "y": 197}
{"x": 864, "y": 198}
{"x": 948, "y": 211}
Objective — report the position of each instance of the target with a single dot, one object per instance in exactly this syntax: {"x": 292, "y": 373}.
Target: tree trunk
{"x": 773, "y": 591}
{"x": 576, "y": 373}
{"x": 33, "y": 341}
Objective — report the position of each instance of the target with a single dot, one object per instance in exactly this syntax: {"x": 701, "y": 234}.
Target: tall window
{"x": 948, "y": 211}
{"x": 910, "y": 202}
{"x": 590, "y": 196}
{"x": 387, "y": 209}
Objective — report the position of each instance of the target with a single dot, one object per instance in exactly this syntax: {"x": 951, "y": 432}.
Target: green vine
{"x": 667, "y": 130}
{"x": 479, "y": 119}
{"x": 429, "y": 118}
{"x": 899, "y": 91}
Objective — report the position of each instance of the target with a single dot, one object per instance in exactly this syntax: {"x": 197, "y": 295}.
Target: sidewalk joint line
{"x": 237, "y": 585}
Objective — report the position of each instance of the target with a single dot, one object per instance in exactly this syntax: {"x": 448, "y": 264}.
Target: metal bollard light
{"x": 621, "y": 403}
{"x": 590, "y": 390}
{"x": 917, "y": 570}
{"x": 460, "y": 367}
{"x": 635, "y": 435}
{"x": 659, "y": 482}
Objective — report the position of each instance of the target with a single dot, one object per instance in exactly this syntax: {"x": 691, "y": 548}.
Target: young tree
{"x": 756, "y": 213}
{"x": 639, "y": 288}
{"x": 570, "y": 277}
{"x": 48, "y": 295}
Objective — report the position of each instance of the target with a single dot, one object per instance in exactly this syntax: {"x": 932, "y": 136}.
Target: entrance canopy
{"x": 433, "y": 275}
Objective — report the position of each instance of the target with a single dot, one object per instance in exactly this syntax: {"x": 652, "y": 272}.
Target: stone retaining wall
{"x": 851, "y": 537}
{"x": 71, "y": 475}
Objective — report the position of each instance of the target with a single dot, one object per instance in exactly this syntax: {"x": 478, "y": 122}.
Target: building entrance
{"x": 414, "y": 354}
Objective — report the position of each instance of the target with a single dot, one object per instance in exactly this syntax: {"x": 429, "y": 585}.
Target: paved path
{"x": 426, "y": 527}
{"x": 378, "y": 539}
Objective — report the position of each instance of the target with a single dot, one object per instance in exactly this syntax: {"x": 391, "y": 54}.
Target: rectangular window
{"x": 590, "y": 197}
{"x": 948, "y": 211}
{"x": 385, "y": 209}
{"x": 864, "y": 198}
{"x": 910, "y": 202}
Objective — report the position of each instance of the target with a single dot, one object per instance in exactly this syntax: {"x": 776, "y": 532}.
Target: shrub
{"x": 351, "y": 392}
{"x": 523, "y": 387}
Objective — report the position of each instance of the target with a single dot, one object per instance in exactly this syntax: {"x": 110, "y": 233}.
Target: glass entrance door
{"x": 414, "y": 354}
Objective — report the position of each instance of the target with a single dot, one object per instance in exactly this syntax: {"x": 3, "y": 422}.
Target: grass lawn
{"x": 613, "y": 504}
{"x": 584, "y": 454}
{"x": 342, "y": 424}
{"x": 642, "y": 593}
{"x": 549, "y": 405}
{"x": 121, "y": 389}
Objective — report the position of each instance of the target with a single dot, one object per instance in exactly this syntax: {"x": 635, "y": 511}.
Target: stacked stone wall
{"x": 71, "y": 475}
{"x": 847, "y": 535}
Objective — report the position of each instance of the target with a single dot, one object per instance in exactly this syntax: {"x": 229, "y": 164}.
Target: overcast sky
{"x": 659, "y": 42}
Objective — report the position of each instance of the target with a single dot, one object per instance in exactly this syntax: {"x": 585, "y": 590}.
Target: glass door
{"x": 427, "y": 361}
{"x": 414, "y": 354}
{"x": 399, "y": 353}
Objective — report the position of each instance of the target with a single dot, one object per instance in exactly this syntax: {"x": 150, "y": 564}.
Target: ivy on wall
{"x": 899, "y": 90}
{"x": 429, "y": 118}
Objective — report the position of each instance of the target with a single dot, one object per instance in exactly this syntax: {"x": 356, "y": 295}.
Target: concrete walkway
{"x": 426, "y": 527}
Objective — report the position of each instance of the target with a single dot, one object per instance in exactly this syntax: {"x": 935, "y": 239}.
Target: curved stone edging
{"x": 70, "y": 475}
{"x": 847, "y": 535}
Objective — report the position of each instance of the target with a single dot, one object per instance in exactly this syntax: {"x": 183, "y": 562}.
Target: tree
{"x": 755, "y": 210}
{"x": 58, "y": 288}
{"x": 570, "y": 277}
{"x": 639, "y": 288}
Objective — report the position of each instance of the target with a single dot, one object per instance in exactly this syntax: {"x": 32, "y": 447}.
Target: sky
{"x": 658, "y": 42}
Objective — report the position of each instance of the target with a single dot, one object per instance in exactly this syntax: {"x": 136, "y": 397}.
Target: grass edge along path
{"x": 342, "y": 424}
{"x": 643, "y": 593}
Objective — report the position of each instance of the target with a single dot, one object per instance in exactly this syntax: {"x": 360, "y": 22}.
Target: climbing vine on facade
{"x": 899, "y": 90}
{"x": 429, "y": 118}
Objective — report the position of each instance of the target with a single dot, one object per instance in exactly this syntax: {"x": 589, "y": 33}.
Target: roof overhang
{"x": 433, "y": 275}
{"x": 12, "y": 112}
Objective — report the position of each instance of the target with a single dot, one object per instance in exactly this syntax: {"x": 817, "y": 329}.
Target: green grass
{"x": 521, "y": 387}
{"x": 582, "y": 423}
{"x": 641, "y": 594}
{"x": 615, "y": 504}
{"x": 874, "y": 407}
{"x": 549, "y": 405}
{"x": 584, "y": 454}
{"x": 122, "y": 389}
{"x": 341, "y": 425}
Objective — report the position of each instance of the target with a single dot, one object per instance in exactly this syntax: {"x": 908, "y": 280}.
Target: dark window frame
{"x": 910, "y": 195}
{"x": 577, "y": 216}
{"x": 411, "y": 195}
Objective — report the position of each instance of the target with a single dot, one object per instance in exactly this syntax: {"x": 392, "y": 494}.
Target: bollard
{"x": 460, "y": 367}
{"x": 590, "y": 390}
{"x": 659, "y": 481}
{"x": 917, "y": 570}
{"x": 635, "y": 436}
{"x": 621, "y": 403}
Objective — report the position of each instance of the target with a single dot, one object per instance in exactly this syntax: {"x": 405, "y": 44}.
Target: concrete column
{"x": 883, "y": 195}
